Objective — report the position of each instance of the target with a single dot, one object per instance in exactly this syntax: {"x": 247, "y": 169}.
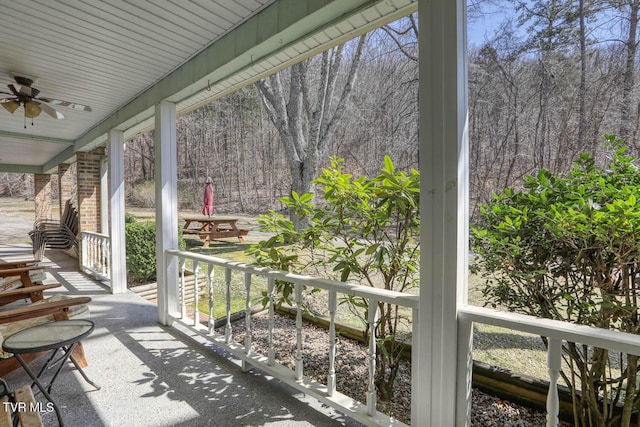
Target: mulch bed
{"x": 352, "y": 372}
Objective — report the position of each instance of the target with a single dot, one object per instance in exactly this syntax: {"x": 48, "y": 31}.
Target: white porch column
{"x": 115, "y": 147}
{"x": 444, "y": 213}
{"x": 104, "y": 196}
{"x": 166, "y": 208}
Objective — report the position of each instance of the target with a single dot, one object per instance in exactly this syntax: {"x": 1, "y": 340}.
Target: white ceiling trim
{"x": 267, "y": 37}
{"x": 16, "y": 135}
{"x": 279, "y": 51}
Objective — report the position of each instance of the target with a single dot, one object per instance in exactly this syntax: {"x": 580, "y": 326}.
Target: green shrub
{"x": 141, "y": 250}
{"x": 363, "y": 229}
{"x": 129, "y": 218}
{"x": 567, "y": 248}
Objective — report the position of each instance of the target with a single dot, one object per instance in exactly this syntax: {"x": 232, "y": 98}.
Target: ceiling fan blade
{"x": 13, "y": 89}
{"x": 61, "y": 103}
{"x": 51, "y": 111}
{"x": 24, "y": 90}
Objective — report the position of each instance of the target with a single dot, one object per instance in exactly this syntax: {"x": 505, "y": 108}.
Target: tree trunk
{"x": 582, "y": 90}
{"x": 628, "y": 80}
{"x": 305, "y": 125}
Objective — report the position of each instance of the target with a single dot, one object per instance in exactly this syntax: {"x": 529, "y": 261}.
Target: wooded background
{"x": 546, "y": 81}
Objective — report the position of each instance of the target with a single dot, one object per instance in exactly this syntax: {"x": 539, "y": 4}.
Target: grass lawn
{"x": 522, "y": 353}
{"x": 518, "y": 352}
{"x": 234, "y": 250}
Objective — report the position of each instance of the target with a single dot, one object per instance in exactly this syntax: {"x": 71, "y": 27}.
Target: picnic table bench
{"x": 208, "y": 229}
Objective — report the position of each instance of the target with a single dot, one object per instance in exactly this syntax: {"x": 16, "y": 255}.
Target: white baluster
{"x": 212, "y": 319}
{"x": 87, "y": 261}
{"x": 97, "y": 266}
{"x": 227, "y": 328}
{"x": 371, "y": 389}
{"x": 272, "y": 351}
{"x": 247, "y": 319}
{"x": 331, "y": 378}
{"x": 196, "y": 276}
{"x": 85, "y": 254}
{"x": 92, "y": 254}
{"x": 183, "y": 311}
{"x": 107, "y": 267}
{"x": 554, "y": 358}
{"x": 298, "y": 356}
{"x": 96, "y": 254}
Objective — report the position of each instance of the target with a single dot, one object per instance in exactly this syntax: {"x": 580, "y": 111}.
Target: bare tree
{"x": 306, "y": 123}
{"x": 631, "y": 11}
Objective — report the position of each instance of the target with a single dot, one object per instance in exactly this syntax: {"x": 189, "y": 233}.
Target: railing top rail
{"x": 383, "y": 295}
{"x": 598, "y": 337}
{"x": 93, "y": 233}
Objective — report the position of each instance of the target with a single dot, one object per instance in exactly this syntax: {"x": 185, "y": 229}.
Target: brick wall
{"x": 43, "y": 196}
{"x": 65, "y": 184}
{"x": 88, "y": 188}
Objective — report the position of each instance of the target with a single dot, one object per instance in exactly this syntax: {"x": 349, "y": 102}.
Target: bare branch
{"x": 346, "y": 92}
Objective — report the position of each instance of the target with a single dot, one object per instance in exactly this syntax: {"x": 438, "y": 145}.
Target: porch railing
{"x": 215, "y": 272}
{"x": 556, "y": 331}
{"x": 212, "y": 272}
{"x": 96, "y": 255}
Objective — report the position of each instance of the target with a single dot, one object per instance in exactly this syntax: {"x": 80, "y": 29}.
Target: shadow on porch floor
{"x": 156, "y": 376}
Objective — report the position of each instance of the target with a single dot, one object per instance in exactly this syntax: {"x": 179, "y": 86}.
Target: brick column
{"x": 65, "y": 184}
{"x": 43, "y": 196}
{"x": 88, "y": 176}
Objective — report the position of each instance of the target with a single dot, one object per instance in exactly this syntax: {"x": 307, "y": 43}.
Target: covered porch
{"x": 180, "y": 57}
{"x": 154, "y": 375}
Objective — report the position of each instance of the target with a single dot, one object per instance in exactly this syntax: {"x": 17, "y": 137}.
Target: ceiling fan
{"x": 23, "y": 94}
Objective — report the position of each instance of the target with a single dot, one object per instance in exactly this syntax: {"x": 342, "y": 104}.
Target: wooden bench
{"x": 56, "y": 234}
{"x": 21, "y": 404}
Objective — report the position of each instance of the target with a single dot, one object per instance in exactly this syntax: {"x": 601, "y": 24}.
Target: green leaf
{"x": 306, "y": 197}
{"x": 371, "y": 249}
{"x": 388, "y": 165}
{"x": 345, "y": 274}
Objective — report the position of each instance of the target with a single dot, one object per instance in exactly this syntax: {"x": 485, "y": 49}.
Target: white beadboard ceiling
{"x": 122, "y": 57}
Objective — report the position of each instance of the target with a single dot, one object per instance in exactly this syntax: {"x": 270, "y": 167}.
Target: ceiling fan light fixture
{"x": 11, "y": 106}
{"x": 31, "y": 109}
{"x": 22, "y": 93}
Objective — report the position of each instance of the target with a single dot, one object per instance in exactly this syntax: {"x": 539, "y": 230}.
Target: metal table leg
{"x": 36, "y": 381}
{"x": 67, "y": 354}
{"x": 86, "y": 378}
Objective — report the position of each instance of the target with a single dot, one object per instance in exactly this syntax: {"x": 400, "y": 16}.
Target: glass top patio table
{"x": 59, "y": 335}
{"x": 48, "y": 336}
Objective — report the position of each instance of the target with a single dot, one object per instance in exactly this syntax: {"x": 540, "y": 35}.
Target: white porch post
{"x": 104, "y": 195}
{"x": 444, "y": 213}
{"x": 166, "y": 208}
{"x": 115, "y": 147}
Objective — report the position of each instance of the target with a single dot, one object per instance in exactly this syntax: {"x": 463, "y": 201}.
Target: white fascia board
{"x": 280, "y": 24}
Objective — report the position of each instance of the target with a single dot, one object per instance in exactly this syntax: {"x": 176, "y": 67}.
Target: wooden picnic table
{"x": 208, "y": 229}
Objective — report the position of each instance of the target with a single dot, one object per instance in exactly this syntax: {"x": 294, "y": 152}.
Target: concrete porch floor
{"x": 152, "y": 375}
